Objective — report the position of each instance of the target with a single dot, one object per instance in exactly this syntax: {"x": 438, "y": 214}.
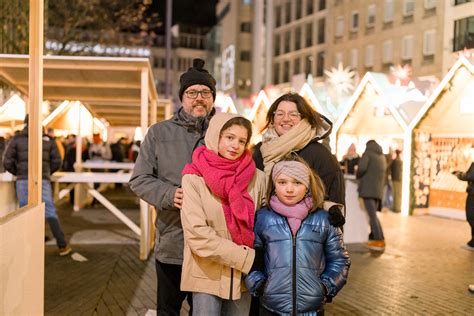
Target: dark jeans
{"x": 470, "y": 216}
{"x": 49, "y": 209}
{"x": 371, "y": 206}
{"x": 169, "y": 297}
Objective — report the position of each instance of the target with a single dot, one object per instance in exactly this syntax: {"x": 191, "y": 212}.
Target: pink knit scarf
{"x": 229, "y": 180}
{"x": 294, "y": 213}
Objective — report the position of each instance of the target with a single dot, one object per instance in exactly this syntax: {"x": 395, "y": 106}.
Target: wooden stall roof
{"x": 441, "y": 114}
{"x": 110, "y": 86}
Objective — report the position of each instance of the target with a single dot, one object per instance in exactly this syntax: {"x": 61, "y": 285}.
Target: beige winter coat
{"x": 212, "y": 262}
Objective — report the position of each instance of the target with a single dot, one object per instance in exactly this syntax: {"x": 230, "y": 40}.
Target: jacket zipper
{"x": 294, "y": 274}
{"x": 293, "y": 281}
{"x": 231, "y": 282}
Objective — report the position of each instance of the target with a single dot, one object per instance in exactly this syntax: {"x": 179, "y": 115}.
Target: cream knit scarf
{"x": 275, "y": 147}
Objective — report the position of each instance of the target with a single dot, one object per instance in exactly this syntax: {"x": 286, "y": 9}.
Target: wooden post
{"x": 35, "y": 91}
{"x": 144, "y": 209}
{"x": 153, "y": 112}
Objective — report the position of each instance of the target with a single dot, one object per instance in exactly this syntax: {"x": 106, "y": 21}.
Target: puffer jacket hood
{"x": 214, "y": 130}
{"x": 324, "y": 130}
{"x": 373, "y": 147}
{"x": 297, "y": 269}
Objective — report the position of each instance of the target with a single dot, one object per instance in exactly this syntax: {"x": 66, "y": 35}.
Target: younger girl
{"x": 222, "y": 189}
{"x": 305, "y": 259}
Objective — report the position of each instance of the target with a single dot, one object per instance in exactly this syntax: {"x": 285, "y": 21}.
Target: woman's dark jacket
{"x": 297, "y": 268}
{"x": 320, "y": 159}
{"x": 16, "y": 156}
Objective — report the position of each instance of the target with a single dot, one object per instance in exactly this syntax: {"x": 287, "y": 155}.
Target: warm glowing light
{"x": 138, "y": 134}
{"x": 401, "y": 74}
{"x": 341, "y": 78}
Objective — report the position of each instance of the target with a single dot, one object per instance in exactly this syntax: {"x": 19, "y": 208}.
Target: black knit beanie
{"x": 197, "y": 75}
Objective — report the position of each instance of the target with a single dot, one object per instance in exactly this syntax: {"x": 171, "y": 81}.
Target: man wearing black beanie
{"x": 156, "y": 178}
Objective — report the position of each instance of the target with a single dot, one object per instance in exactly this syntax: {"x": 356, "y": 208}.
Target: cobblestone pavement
{"x": 422, "y": 272}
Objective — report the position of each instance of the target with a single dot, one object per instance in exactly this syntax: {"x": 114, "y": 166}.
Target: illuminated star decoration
{"x": 341, "y": 78}
{"x": 401, "y": 74}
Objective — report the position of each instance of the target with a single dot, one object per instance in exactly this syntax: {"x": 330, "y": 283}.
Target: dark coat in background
{"x": 16, "y": 156}
{"x": 371, "y": 172}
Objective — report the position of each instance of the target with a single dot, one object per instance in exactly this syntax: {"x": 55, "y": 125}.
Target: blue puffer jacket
{"x": 297, "y": 268}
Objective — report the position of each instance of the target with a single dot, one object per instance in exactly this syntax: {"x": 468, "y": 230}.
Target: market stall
{"x": 381, "y": 110}
{"x": 258, "y": 116}
{"x": 442, "y": 142}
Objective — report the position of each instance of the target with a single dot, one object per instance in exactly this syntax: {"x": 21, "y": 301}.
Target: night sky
{"x": 191, "y": 12}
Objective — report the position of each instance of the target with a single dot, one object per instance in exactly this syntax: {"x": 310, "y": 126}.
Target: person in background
{"x": 134, "y": 151}
{"x": 61, "y": 149}
{"x": 387, "y": 200}
{"x": 156, "y": 178}
{"x": 2, "y": 150}
{"x": 350, "y": 160}
{"x": 305, "y": 260}
{"x": 371, "y": 174}
{"x": 469, "y": 177}
{"x": 16, "y": 162}
{"x": 396, "y": 170}
{"x": 70, "y": 158}
{"x": 119, "y": 150}
{"x": 222, "y": 189}
{"x": 99, "y": 150}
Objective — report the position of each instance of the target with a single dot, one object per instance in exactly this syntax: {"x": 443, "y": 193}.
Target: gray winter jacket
{"x": 167, "y": 147}
{"x": 371, "y": 172}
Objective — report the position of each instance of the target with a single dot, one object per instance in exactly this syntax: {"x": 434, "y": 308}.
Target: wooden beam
{"x": 144, "y": 101}
{"x": 35, "y": 100}
{"x": 86, "y": 84}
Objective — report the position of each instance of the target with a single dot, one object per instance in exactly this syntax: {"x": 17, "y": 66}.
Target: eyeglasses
{"x": 193, "y": 94}
{"x": 294, "y": 115}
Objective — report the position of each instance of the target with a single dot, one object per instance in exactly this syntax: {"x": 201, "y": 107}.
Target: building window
{"x": 245, "y": 55}
{"x": 407, "y": 47}
{"x": 298, "y": 38}
{"x": 309, "y": 65}
{"x": 309, "y": 7}
{"x": 296, "y": 66}
{"x": 276, "y": 73}
{"x": 458, "y": 2}
{"x": 354, "y": 21}
{"x": 278, "y": 16}
{"x": 429, "y": 42}
{"x": 339, "y": 26}
{"x": 371, "y": 15}
{"x": 276, "y": 46}
{"x": 322, "y": 5}
{"x": 408, "y": 7}
{"x": 309, "y": 34}
{"x": 339, "y": 59}
{"x": 388, "y": 11}
{"x": 299, "y": 9}
{"x": 287, "y": 42}
{"x": 320, "y": 64}
{"x": 354, "y": 58}
{"x": 286, "y": 71}
{"x": 430, "y": 4}
{"x": 288, "y": 12}
{"x": 463, "y": 34}
{"x": 246, "y": 27}
{"x": 387, "y": 53}
{"x": 321, "y": 31}
{"x": 369, "y": 56}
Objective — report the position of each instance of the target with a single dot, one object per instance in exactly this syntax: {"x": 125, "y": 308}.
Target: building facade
{"x": 310, "y": 36}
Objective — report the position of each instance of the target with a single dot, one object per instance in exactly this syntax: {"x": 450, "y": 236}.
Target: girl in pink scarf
{"x": 222, "y": 189}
